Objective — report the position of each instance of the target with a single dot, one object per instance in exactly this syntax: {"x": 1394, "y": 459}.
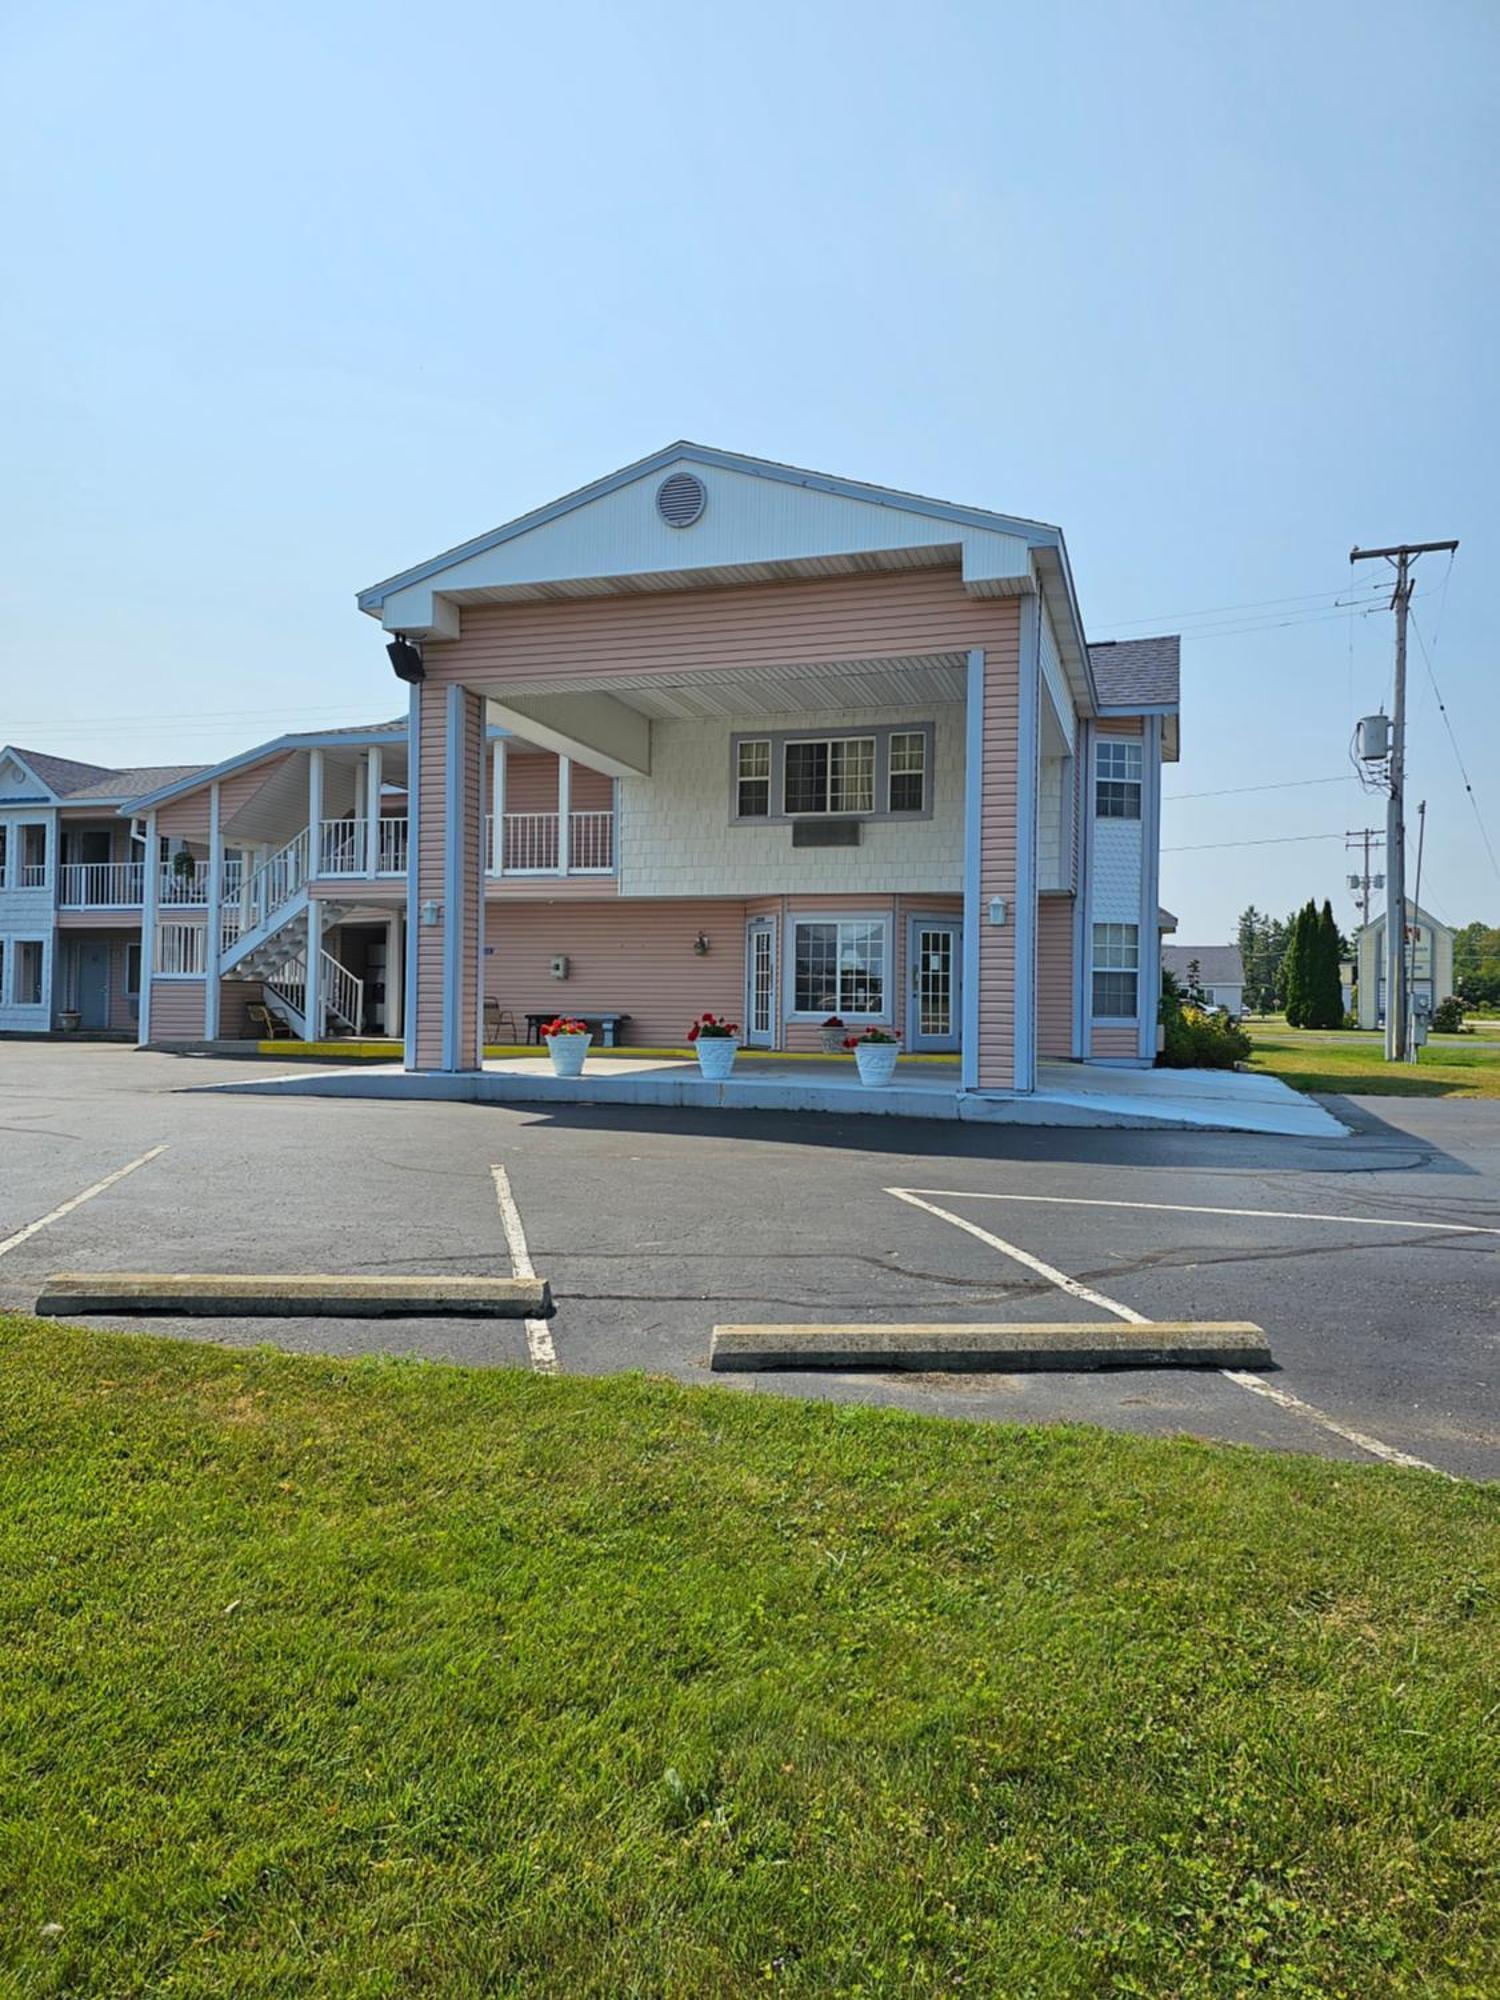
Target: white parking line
{"x": 1242, "y": 1377}
{"x": 1197, "y": 1208}
{"x": 538, "y": 1333}
{"x": 67, "y": 1207}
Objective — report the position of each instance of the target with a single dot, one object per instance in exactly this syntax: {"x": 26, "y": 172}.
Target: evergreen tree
{"x": 1299, "y": 977}
{"x": 1325, "y": 1000}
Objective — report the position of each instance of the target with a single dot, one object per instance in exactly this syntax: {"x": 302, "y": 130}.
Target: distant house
{"x": 1431, "y": 964}
{"x": 1221, "y": 972}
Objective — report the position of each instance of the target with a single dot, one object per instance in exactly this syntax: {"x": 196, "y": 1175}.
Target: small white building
{"x": 1221, "y": 972}
{"x": 1430, "y": 945}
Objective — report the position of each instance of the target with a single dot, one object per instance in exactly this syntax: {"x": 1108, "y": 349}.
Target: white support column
{"x": 973, "y": 829}
{"x": 150, "y": 885}
{"x": 1024, "y": 916}
{"x": 212, "y": 922}
{"x": 1148, "y": 951}
{"x": 314, "y": 813}
{"x": 564, "y": 814}
{"x": 497, "y": 808}
{"x": 374, "y": 778}
{"x": 394, "y": 946}
{"x": 313, "y": 995}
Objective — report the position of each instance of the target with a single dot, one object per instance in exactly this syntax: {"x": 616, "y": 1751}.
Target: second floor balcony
{"x": 532, "y": 845}
{"x": 101, "y": 885}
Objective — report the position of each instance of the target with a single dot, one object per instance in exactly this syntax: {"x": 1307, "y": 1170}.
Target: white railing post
{"x": 314, "y": 822}
{"x": 564, "y": 813}
{"x": 374, "y": 778}
{"x": 213, "y": 938}
{"x": 497, "y": 807}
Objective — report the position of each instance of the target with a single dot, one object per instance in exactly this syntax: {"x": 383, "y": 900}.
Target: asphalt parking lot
{"x": 1372, "y": 1262}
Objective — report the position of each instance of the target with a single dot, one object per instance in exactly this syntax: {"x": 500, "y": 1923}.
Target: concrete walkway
{"x": 1071, "y": 1094}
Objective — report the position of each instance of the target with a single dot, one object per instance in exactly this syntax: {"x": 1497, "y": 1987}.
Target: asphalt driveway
{"x": 1372, "y": 1262}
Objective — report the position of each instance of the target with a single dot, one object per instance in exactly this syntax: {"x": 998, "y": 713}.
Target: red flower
{"x": 693, "y": 1032}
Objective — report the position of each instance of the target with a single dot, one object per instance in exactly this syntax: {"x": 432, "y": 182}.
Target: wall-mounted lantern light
{"x": 700, "y": 944}
{"x": 431, "y": 913}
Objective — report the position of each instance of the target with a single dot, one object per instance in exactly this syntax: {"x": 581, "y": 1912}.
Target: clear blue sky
{"x": 299, "y": 294}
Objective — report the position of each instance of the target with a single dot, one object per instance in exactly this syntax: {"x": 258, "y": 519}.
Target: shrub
{"x": 1448, "y": 1016}
{"x": 1196, "y": 1040}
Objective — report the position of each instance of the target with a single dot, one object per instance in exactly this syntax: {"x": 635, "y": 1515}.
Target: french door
{"x": 760, "y": 983}
{"x": 934, "y": 962}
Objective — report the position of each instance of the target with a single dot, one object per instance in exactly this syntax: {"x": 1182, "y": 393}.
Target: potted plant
{"x": 717, "y": 1040}
{"x": 184, "y": 867}
{"x": 69, "y": 1020}
{"x": 875, "y": 1050}
{"x": 832, "y": 1032}
{"x": 567, "y": 1042}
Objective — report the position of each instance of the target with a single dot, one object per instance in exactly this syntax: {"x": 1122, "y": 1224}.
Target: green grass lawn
{"x": 384, "y": 1678}
{"x": 1447, "y": 1067}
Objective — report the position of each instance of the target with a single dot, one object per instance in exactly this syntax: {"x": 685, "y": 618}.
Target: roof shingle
{"x": 1137, "y": 673}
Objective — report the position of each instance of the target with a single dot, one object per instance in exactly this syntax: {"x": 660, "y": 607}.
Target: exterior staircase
{"x": 263, "y": 935}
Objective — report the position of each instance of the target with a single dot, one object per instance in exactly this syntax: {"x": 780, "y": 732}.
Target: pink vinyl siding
{"x": 591, "y": 791}
{"x": 235, "y": 996}
{"x": 1111, "y": 1044}
{"x": 177, "y": 1010}
{"x": 530, "y": 781}
{"x": 634, "y": 958}
{"x": 706, "y": 632}
{"x": 1054, "y": 976}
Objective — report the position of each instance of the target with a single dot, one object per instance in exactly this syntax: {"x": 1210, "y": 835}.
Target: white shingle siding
{"x": 1053, "y": 834}
{"x": 1116, "y": 894}
{"x": 675, "y": 836}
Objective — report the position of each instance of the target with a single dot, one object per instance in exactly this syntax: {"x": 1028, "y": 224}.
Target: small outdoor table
{"x": 609, "y": 1026}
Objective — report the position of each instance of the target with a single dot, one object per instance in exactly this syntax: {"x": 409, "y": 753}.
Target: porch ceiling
{"x": 916, "y": 680}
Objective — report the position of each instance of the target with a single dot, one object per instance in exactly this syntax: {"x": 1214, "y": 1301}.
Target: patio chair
{"x": 274, "y": 1027}
{"x": 497, "y": 1018}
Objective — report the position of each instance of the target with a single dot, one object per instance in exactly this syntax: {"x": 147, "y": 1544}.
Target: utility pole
{"x": 1395, "y": 826}
{"x": 1367, "y": 837}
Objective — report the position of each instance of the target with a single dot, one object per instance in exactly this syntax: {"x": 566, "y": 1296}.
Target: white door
{"x": 933, "y": 961}
{"x": 760, "y": 983}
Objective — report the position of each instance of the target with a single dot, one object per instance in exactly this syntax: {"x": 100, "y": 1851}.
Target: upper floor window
{"x": 834, "y": 774}
{"x": 872, "y": 774}
{"x": 34, "y": 856}
{"x": 753, "y": 778}
{"x": 908, "y": 775}
{"x": 1117, "y": 772}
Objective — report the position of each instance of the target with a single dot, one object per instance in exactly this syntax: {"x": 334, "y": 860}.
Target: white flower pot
{"x": 567, "y": 1053}
{"x": 716, "y": 1054}
{"x": 877, "y": 1062}
{"x": 833, "y": 1040}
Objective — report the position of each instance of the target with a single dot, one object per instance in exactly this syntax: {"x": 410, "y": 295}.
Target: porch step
{"x": 991, "y": 1348}
{"x": 237, "y": 1296}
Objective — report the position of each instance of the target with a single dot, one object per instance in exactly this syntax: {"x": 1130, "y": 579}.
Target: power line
{"x": 1279, "y": 840}
{"x": 1216, "y": 610}
{"x": 1237, "y": 791}
{"x": 1457, "y": 753}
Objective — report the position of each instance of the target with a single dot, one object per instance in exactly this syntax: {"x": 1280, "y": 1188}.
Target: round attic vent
{"x": 681, "y": 499}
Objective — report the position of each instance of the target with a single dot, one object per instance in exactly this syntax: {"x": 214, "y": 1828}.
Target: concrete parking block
{"x": 234, "y": 1295}
{"x": 982, "y": 1347}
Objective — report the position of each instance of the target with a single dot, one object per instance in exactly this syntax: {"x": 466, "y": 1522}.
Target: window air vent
{"x": 681, "y": 499}
{"x": 825, "y": 833}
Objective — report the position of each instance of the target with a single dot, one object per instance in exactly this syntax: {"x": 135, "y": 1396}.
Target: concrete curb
{"x": 209, "y": 1295}
{"x": 993, "y": 1348}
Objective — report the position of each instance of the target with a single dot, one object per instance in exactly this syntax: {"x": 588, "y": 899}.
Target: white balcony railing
{"x": 102, "y": 885}
{"x": 177, "y": 888}
{"x": 531, "y": 844}
{"x": 343, "y": 847}
{"x": 33, "y": 875}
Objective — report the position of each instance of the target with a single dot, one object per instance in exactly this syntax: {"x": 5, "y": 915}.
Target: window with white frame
{"x": 839, "y": 966}
{"x": 1117, "y": 971}
{"x": 880, "y": 772}
{"x": 28, "y": 973}
{"x": 834, "y": 774}
{"x": 2, "y": 971}
{"x": 1117, "y": 775}
{"x": 180, "y": 951}
{"x": 908, "y": 771}
{"x": 753, "y": 778}
{"x": 4, "y": 847}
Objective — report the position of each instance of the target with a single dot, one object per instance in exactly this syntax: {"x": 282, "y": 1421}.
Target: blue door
{"x": 934, "y": 1009}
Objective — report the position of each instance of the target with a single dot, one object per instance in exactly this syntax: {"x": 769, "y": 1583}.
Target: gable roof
{"x": 1138, "y": 674}
{"x": 1218, "y": 964}
{"x": 172, "y": 782}
{"x": 72, "y": 782}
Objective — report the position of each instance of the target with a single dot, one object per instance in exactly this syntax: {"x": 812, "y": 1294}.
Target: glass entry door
{"x": 934, "y": 955}
{"x": 760, "y": 983}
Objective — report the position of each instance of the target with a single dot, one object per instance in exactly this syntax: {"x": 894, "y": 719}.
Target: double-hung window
{"x": 839, "y": 966}
{"x": 1117, "y": 971}
{"x": 753, "y": 778}
{"x": 1117, "y": 773}
{"x": 908, "y": 771}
